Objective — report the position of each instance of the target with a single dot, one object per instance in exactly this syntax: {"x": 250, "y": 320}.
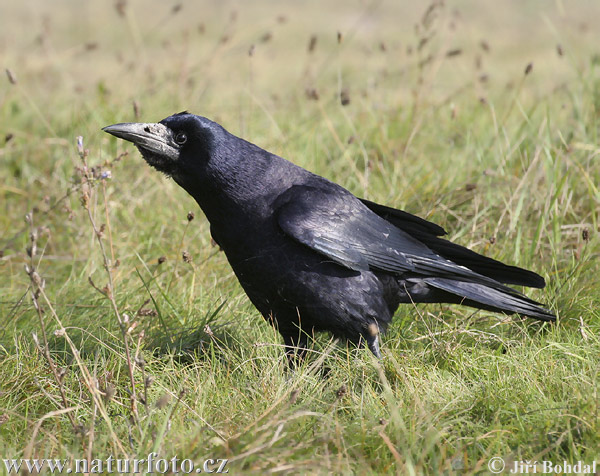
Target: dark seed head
{"x": 190, "y": 216}
{"x": 120, "y": 6}
{"x": 344, "y": 97}
{"x": 312, "y": 43}
{"x": 12, "y": 79}
{"x": 266, "y": 37}
{"x": 147, "y": 312}
{"x": 455, "y": 52}
{"x": 585, "y": 234}
{"x": 528, "y": 69}
{"x": 136, "y": 110}
{"x": 312, "y": 93}
{"x": 294, "y": 396}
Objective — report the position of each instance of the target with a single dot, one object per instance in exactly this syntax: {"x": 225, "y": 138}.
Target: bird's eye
{"x": 181, "y": 138}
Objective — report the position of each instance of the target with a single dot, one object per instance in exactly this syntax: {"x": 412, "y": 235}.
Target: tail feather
{"x": 483, "y": 265}
{"x": 493, "y": 299}
{"x": 428, "y": 233}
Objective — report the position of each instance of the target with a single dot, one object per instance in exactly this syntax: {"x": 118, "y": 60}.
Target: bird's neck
{"x": 239, "y": 188}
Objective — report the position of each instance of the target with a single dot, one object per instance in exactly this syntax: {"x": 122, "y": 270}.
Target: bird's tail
{"x": 497, "y": 299}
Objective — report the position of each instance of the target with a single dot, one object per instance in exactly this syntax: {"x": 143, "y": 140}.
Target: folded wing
{"x": 337, "y": 225}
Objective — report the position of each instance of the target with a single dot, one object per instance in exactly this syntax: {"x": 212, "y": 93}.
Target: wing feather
{"x": 342, "y": 228}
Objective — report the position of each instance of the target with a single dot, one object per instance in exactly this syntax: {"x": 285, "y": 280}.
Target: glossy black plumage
{"x": 309, "y": 254}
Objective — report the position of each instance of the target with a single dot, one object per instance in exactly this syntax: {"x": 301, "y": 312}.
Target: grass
{"x": 444, "y": 119}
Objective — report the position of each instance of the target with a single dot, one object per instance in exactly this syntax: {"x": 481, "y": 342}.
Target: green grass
{"x": 506, "y": 161}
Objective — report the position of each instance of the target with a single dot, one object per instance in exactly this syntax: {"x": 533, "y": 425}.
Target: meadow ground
{"x": 481, "y": 116}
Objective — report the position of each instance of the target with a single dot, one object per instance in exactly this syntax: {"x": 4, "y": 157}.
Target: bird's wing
{"x": 412, "y": 224}
{"x": 336, "y": 224}
{"x": 339, "y": 227}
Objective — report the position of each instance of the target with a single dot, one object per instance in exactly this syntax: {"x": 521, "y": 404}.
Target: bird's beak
{"x": 148, "y": 137}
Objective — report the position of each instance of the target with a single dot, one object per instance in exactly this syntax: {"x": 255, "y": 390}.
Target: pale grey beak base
{"x": 152, "y": 137}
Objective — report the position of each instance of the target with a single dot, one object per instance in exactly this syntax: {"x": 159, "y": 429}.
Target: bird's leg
{"x": 374, "y": 346}
{"x": 372, "y": 337}
{"x": 295, "y": 348}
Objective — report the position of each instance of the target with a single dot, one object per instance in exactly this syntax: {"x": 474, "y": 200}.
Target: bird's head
{"x": 212, "y": 165}
{"x": 178, "y": 146}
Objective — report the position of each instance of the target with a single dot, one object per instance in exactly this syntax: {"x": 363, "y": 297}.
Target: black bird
{"x": 310, "y": 255}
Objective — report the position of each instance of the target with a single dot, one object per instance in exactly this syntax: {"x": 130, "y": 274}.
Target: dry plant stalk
{"x": 37, "y": 287}
{"x": 88, "y": 181}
